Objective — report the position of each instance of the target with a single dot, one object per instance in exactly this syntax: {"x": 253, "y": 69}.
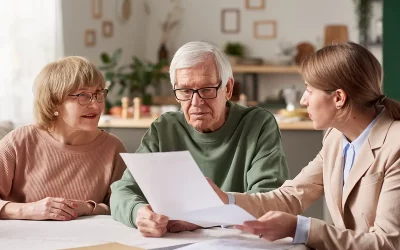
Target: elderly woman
{"x": 62, "y": 166}
{"x": 238, "y": 148}
{"x": 358, "y": 167}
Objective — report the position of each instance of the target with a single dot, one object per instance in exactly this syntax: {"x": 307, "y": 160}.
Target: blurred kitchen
{"x": 132, "y": 42}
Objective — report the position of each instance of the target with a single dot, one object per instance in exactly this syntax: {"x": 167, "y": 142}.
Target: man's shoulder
{"x": 256, "y": 115}
{"x": 168, "y": 119}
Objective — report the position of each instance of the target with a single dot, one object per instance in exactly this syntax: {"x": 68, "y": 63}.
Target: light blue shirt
{"x": 350, "y": 152}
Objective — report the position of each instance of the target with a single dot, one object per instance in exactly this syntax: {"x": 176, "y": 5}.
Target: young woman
{"x": 358, "y": 167}
{"x": 62, "y": 166}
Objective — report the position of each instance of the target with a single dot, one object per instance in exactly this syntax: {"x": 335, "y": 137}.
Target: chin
{"x": 319, "y": 126}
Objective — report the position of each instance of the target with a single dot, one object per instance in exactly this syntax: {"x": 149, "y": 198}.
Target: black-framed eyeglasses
{"x": 204, "y": 93}
{"x": 85, "y": 98}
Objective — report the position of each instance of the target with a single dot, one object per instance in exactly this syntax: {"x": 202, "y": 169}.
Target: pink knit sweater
{"x": 33, "y": 166}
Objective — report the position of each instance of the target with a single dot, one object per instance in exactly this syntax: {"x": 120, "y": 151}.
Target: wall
{"x": 391, "y": 51}
{"x": 128, "y": 36}
{"x": 297, "y": 21}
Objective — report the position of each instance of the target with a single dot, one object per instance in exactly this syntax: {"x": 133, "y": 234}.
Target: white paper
{"x": 175, "y": 187}
{"x": 249, "y": 244}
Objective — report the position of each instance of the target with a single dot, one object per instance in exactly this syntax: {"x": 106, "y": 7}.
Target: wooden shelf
{"x": 265, "y": 69}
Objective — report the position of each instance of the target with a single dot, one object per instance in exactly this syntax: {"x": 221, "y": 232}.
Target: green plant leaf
{"x": 117, "y": 55}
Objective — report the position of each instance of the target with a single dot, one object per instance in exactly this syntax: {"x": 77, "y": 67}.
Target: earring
{"x": 56, "y": 113}
{"x": 338, "y": 106}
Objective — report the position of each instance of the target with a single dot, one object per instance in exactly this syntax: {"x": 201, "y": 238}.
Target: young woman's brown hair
{"x": 355, "y": 70}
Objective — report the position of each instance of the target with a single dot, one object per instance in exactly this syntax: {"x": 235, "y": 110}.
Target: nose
{"x": 304, "y": 100}
{"x": 197, "y": 100}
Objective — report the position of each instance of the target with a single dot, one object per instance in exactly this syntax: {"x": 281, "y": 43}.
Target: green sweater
{"x": 244, "y": 155}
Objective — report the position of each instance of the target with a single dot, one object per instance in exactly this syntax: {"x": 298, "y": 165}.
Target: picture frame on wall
{"x": 108, "y": 28}
{"x": 265, "y": 29}
{"x": 90, "y": 38}
{"x": 230, "y": 21}
{"x": 255, "y": 4}
{"x": 123, "y": 10}
{"x": 97, "y": 9}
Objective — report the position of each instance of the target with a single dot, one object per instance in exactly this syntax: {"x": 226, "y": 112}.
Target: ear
{"x": 340, "y": 98}
{"x": 229, "y": 88}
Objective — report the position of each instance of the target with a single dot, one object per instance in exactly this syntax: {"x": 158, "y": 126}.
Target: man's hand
{"x": 272, "y": 226}
{"x": 221, "y": 194}
{"x": 151, "y": 224}
{"x": 176, "y": 226}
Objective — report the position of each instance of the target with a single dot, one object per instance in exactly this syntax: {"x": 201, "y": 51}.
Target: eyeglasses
{"x": 204, "y": 93}
{"x": 85, "y": 98}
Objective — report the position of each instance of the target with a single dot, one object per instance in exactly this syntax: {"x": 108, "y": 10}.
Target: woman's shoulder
{"x": 113, "y": 141}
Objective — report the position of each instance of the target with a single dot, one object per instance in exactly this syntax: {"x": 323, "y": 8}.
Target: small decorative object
{"x": 137, "y": 103}
{"x": 303, "y": 49}
{"x": 230, "y": 21}
{"x": 235, "y": 51}
{"x": 124, "y": 10}
{"x": 97, "y": 9}
{"x": 162, "y": 53}
{"x": 125, "y": 107}
{"x": 264, "y": 29}
{"x": 335, "y": 34}
{"x": 255, "y": 4}
{"x": 90, "y": 38}
{"x": 108, "y": 29}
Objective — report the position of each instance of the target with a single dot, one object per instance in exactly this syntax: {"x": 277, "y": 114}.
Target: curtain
{"x": 30, "y": 37}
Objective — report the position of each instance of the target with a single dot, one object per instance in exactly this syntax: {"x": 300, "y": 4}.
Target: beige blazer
{"x": 366, "y": 213}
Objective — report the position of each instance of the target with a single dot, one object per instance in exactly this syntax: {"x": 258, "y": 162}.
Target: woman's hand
{"x": 49, "y": 208}
{"x": 221, "y": 194}
{"x": 272, "y": 226}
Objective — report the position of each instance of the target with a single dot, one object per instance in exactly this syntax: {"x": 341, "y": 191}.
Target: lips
{"x": 90, "y": 116}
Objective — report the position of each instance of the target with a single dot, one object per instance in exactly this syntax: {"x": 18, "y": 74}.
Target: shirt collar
{"x": 357, "y": 143}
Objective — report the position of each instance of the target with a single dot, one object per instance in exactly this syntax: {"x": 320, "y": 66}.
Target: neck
{"x": 71, "y": 136}
{"x": 220, "y": 123}
{"x": 356, "y": 123}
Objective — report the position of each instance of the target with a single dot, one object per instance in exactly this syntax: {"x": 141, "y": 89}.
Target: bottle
{"x": 137, "y": 103}
{"x": 125, "y": 107}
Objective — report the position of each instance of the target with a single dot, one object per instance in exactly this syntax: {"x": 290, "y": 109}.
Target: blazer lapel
{"x": 337, "y": 180}
{"x": 366, "y": 157}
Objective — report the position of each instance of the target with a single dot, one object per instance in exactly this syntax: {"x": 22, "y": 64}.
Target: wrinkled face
{"x": 205, "y": 115}
{"x": 321, "y": 107}
{"x": 81, "y": 117}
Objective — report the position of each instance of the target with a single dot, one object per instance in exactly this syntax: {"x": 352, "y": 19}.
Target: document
{"x": 175, "y": 187}
{"x": 248, "y": 244}
{"x": 108, "y": 246}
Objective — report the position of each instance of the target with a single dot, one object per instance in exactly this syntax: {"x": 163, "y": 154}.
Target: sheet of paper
{"x": 108, "y": 246}
{"x": 248, "y": 244}
{"x": 174, "y": 186}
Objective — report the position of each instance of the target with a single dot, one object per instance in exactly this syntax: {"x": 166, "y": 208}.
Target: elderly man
{"x": 238, "y": 148}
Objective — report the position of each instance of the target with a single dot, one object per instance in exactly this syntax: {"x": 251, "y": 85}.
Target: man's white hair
{"x": 196, "y": 52}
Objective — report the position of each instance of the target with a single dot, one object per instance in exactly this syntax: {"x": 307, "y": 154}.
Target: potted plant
{"x": 364, "y": 14}
{"x": 235, "y": 51}
{"x": 132, "y": 79}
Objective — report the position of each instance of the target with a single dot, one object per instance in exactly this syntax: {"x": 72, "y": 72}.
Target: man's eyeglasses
{"x": 85, "y": 98}
{"x": 204, "y": 93}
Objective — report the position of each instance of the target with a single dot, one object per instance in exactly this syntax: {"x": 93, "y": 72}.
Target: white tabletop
{"x": 93, "y": 230}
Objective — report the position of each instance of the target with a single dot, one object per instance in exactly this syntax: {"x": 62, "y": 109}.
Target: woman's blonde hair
{"x": 60, "y": 79}
{"x": 355, "y": 70}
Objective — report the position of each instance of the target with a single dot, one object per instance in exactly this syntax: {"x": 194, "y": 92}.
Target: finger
{"x": 158, "y": 218}
{"x": 61, "y": 213}
{"x": 146, "y": 223}
{"x": 248, "y": 229}
{"x": 67, "y": 202}
{"x": 56, "y": 216}
{"x": 151, "y": 232}
{"x": 65, "y": 208}
{"x": 255, "y": 224}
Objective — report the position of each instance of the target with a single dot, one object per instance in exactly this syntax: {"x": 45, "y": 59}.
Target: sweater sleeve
{"x": 126, "y": 196}
{"x": 7, "y": 168}
{"x": 118, "y": 169}
{"x": 269, "y": 169}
